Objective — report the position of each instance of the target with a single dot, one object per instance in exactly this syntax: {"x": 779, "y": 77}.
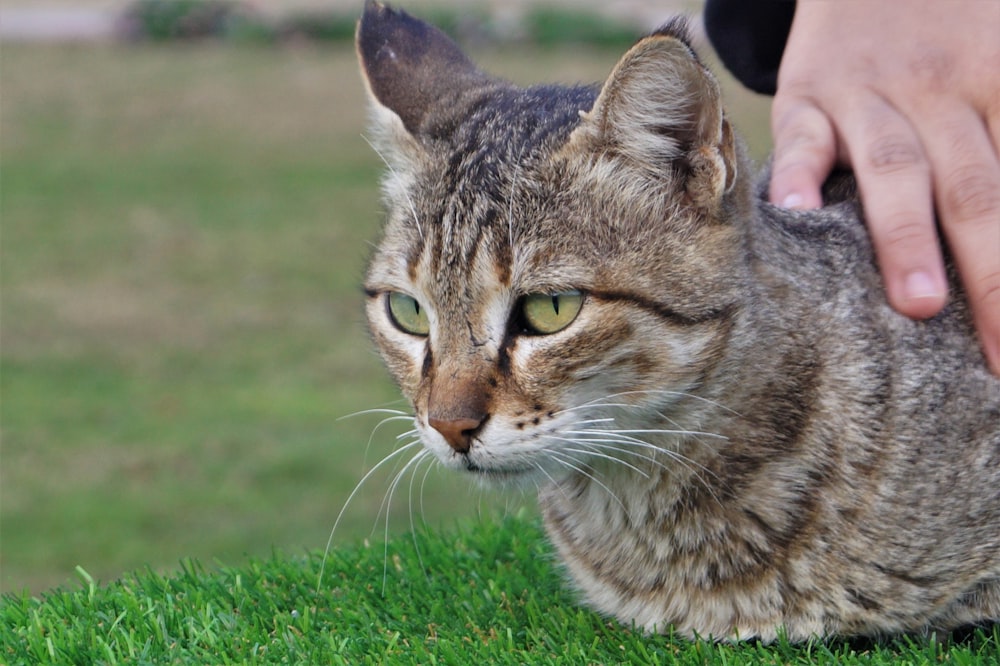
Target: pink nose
{"x": 457, "y": 432}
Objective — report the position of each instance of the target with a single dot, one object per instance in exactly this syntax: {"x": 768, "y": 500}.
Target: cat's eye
{"x": 550, "y": 313}
{"x": 407, "y": 314}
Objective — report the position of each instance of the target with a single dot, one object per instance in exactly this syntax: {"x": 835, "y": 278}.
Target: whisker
{"x": 392, "y": 170}
{"x": 422, "y": 456}
{"x": 379, "y": 410}
{"x": 371, "y": 437}
{"x": 593, "y": 405}
{"x": 652, "y": 431}
{"x": 357, "y": 487}
{"x": 606, "y": 445}
{"x": 589, "y": 451}
{"x": 423, "y": 482}
{"x": 626, "y": 437}
{"x": 387, "y": 504}
{"x": 540, "y": 468}
{"x": 596, "y": 402}
{"x": 562, "y": 461}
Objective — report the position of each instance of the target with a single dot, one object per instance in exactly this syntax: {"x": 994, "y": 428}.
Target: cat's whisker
{"x": 662, "y": 431}
{"x": 606, "y": 444}
{"x": 392, "y": 170}
{"x": 424, "y": 455}
{"x": 583, "y": 422}
{"x": 589, "y": 406}
{"x": 589, "y": 451}
{"x": 600, "y": 402}
{"x": 541, "y": 468}
{"x": 695, "y": 438}
{"x": 423, "y": 483}
{"x": 403, "y": 416}
{"x": 336, "y": 523}
{"x": 696, "y": 469}
{"x": 377, "y": 410}
{"x": 562, "y": 460}
{"x": 397, "y": 474}
{"x": 620, "y": 447}
{"x": 411, "y": 465}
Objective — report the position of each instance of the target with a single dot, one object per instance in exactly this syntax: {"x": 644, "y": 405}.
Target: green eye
{"x": 550, "y": 313}
{"x": 407, "y": 314}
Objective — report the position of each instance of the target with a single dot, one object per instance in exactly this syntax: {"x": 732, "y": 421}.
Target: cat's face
{"x": 542, "y": 292}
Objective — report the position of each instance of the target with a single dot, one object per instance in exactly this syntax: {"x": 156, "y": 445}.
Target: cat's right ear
{"x": 661, "y": 111}
{"x": 409, "y": 67}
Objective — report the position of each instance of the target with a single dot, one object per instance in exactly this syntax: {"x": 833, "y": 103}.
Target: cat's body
{"x": 732, "y": 432}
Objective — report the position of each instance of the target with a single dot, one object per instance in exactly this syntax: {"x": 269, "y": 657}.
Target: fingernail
{"x": 920, "y": 285}
{"x": 793, "y": 201}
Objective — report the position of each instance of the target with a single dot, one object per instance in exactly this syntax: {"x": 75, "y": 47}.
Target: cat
{"x": 732, "y": 434}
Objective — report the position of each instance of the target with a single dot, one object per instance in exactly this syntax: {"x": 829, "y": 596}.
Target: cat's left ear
{"x": 661, "y": 108}
{"x": 409, "y": 66}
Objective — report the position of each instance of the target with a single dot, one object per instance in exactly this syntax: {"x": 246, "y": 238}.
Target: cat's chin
{"x": 506, "y": 478}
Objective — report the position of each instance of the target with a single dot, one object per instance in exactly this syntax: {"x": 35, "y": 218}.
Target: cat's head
{"x": 554, "y": 273}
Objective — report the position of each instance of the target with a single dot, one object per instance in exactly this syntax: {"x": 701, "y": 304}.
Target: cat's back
{"x": 925, "y": 383}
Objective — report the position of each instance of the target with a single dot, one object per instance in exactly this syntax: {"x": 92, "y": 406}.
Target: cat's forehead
{"x": 504, "y": 124}
{"x": 482, "y": 150}
{"x": 487, "y": 186}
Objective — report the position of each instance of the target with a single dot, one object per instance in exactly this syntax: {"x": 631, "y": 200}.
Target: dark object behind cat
{"x": 731, "y": 431}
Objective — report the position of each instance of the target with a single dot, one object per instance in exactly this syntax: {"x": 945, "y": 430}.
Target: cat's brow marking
{"x": 662, "y": 310}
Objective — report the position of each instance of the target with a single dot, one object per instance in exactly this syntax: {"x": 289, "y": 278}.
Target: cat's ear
{"x": 409, "y": 66}
{"x": 661, "y": 108}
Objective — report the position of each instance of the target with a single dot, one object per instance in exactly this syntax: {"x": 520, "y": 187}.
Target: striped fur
{"x": 736, "y": 436}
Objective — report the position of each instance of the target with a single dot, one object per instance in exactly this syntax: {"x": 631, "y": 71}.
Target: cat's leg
{"x": 978, "y": 606}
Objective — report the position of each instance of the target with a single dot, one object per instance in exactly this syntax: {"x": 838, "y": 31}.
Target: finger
{"x": 894, "y": 178}
{"x": 805, "y": 149}
{"x": 967, "y": 192}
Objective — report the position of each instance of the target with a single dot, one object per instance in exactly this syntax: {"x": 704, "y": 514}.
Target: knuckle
{"x": 905, "y": 236}
{"x": 933, "y": 69}
{"x": 984, "y": 295}
{"x": 893, "y": 153}
{"x": 989, "y": 291}
{"x": 971, "y": 194}
{"x": 797, "y": 117}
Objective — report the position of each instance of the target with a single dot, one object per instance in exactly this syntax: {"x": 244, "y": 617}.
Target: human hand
{"x": 908, "y": 95}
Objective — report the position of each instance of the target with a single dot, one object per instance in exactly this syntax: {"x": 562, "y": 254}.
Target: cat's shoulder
{"x": 838, "y": 225}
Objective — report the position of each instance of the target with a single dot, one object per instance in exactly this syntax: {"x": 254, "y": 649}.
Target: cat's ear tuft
{"x": 661, "y": 109}
{"x": 409, "y": 65}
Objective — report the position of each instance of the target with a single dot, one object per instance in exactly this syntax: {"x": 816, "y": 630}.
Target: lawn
{"x": 183, "y": 233}
{"x": 183, "y": 236}
{"x": 486, "y": 594}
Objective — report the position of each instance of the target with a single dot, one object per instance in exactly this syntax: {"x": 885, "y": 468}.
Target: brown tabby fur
{"x": 736, "y": 436}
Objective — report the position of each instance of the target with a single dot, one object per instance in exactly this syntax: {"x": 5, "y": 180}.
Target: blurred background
{"x": 186, "y": 202}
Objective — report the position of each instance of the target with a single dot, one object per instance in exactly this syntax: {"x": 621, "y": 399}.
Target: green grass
{"x": 183, "y": 233}
{"x": 483, "y": 594}
{"x": 183, "y": 236}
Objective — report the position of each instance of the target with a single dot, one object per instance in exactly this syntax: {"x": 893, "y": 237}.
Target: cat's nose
{"x": 457, "y": 432}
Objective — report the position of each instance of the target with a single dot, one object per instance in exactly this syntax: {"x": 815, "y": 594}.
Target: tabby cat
{"x": 732, "y": 433}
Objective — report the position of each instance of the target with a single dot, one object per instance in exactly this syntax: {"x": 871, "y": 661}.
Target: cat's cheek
{"x": 403, "y": 355}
